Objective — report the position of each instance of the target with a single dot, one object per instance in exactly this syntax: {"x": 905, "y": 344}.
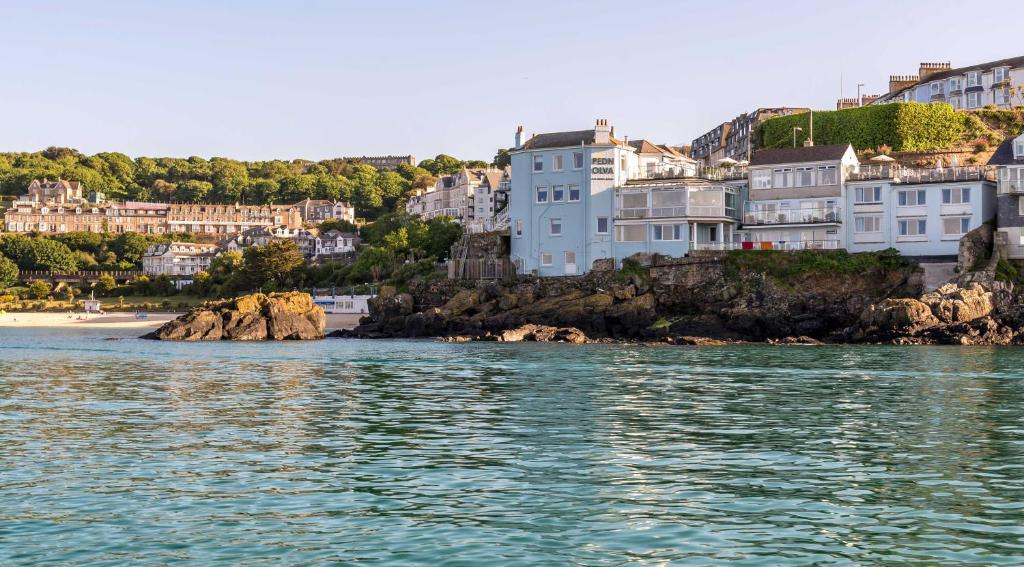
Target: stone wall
{"x": 976, "y": 249}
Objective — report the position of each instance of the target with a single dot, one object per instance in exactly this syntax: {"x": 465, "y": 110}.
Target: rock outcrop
{"x": 256, "y": 317}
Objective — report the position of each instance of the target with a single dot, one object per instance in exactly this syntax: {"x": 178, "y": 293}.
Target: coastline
{"x": 125, "y": 320}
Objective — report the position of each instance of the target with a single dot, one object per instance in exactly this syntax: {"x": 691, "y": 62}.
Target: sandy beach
{"x": 124, "y": 320}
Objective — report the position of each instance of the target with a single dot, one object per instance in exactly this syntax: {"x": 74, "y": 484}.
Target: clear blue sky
{"x": 259, "y": 80}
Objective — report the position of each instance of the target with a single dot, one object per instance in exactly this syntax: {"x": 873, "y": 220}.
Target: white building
{"x": 318, "y": 211}
{"x": 178, "y": 259}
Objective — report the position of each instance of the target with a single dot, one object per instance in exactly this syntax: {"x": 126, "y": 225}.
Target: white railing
{"x": 715, "y": 245}
{"x": 901, "y": 174}
{"x": 792, "y": 245}
{"x": 706, "y": 211}
{"x": 817, "y": 215}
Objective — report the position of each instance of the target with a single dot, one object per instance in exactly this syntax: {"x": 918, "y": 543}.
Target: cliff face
{"x": 664, "y": 299}
{"x": 256, "y": 317}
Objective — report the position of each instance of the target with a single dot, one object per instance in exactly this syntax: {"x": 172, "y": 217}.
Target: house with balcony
{"x": 795, "y": 198}
{"x": 662, "y": 160}
{"x": 1008, "y": 160}
{"x": 921, "y": 212}
{"x": 975, "y": 86}
{"x": 179, "y": 260}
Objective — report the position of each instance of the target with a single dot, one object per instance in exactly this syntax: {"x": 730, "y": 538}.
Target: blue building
{"x": 974, "y": 86}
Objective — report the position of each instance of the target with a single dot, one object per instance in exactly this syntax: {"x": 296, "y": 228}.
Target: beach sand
{"x": 125, "y": 320}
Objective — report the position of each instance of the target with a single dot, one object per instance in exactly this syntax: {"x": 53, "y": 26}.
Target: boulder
{"x": 542, "y": 334}
{"x": 256, "y": 317}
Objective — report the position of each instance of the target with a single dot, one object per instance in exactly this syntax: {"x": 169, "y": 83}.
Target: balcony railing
{"x": 715, "y": 245}
{"x": 693, "y": 211}
{"x": 791, "y": 246}
{"x": 673, "y": 171}
{"x": 899, "y": 174}
{"x": 817, "y": 215}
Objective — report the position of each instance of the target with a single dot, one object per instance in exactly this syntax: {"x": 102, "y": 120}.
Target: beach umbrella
{"x": 727, "y": 161}
{"x": 883, "y": 158}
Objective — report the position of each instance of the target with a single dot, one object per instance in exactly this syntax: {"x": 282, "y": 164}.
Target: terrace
{"x": 912, "y": 175}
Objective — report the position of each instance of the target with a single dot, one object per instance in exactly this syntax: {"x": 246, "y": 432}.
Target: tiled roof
{"x": 1009, "y": 62}
{"x": 563, "y": 139}
{"x": 800, "y": 154}
{"x": 1004, "y": 155}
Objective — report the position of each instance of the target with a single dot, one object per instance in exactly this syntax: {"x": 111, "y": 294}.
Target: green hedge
{"x": 904, "y": 126}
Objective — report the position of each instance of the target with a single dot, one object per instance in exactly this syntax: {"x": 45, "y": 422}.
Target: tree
{"x": 371, "y": 263}
{"x": 502, "y": 159}
{"x": 38, "y": 254}
{"x": 336, "y": 224}
{"x": 8, "y": 273}
{"x": 39, "y": 289}
{"x": 192, "y": 191}
{"x": 106, "y": 284}
{"x": 397, "y": 241}
{"x": 230, "y": 178}
{"x": 443, "y": 164}
{"x": 130, "y": 247}
{"x": 277, "y": 263}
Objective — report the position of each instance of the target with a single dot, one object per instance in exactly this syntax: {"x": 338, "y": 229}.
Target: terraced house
{"x": 997, "y": 83}
{"x": 1008, "y": 159}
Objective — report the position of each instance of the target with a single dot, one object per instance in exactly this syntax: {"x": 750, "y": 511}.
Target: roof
{"x": 645, "y": 147}
{"x": 1009, "y": 62}
{"x": 493, "y": 177}
{"x": 1004, "y": 155}
{"x": 832, "y": 152}
{"x": 562, "y": 140}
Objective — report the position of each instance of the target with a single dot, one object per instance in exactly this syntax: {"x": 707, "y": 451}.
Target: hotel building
{"x": 995, "y": 82}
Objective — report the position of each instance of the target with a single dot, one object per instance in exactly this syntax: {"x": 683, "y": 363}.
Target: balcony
{"x": 792, "y": 246}
{"x": 816, "y": 215}
{"x": 1016, "y": 186}
{"x": 911, "y": 175}
{"x": 692, "y": 171}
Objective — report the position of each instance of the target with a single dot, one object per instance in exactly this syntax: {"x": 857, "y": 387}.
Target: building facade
{"x": 993, "y": 83}
{"x": 461, "y": 196}
{"x": 229, "y": 219}
{"x": 57, "y": 218}
{"x": 1008, "y": 160}
{"x": 178, "y": 259}
{"x": 314, "y": 211}
{"x": 734, "y": 139}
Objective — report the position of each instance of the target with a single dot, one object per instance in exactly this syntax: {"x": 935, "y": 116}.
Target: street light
{"x": 859, "y": 85}
{"x": 795, "y": 128}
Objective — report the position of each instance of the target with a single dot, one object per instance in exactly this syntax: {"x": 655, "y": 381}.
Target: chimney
{"x": 519, "y": 137}
{"x": 900, "y": 82}
{"x": 602, "y": 132}
{"x": 928, "y": 69}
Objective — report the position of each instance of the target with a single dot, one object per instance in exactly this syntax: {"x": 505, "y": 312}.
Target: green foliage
{"x": 788, "y": 265}
{"x": 1008, "y": 273}
{"x": 105, "y": 284}
{"x": 502, "y": 159}
{"x": 39, "y": 289}
{"x": 337, "y": 224}
{"x": 38, "y": 254}
{"x": 903, "y": 126}
{"x": 8, "y": 273}
{"x": 631, "y": 269}
{"x": 274, "y": 265}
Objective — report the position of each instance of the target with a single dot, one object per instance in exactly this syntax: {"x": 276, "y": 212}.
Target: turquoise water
{"x": 406, "y": 452}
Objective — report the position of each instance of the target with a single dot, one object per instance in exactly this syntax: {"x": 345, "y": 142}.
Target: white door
{"x": 570, "y": 263}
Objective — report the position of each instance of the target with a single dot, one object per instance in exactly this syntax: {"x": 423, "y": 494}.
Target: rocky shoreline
{"x": 686, "y": 302}
{"x": 256, "y": 317}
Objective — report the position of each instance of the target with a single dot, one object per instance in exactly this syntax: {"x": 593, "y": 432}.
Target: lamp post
{"x": 795, "y": 129}
{"x": 859, "y": 85}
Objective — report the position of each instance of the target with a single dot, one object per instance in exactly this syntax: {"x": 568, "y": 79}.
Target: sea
{"x": 120, "y": 451}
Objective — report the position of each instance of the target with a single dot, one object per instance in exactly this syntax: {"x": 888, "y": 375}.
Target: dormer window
{"x": 1000, "y": 74}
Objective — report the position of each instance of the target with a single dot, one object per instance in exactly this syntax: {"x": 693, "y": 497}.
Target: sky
{"x": 260, "y": 80}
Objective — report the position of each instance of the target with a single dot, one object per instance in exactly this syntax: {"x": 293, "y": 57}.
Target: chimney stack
{"x": 928, "y": 69}
{"x": 519, "y": 137}
{"x": 900, "y": 82}
{"x": 602, "y": 132}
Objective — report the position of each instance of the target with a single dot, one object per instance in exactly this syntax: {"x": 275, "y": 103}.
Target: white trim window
{"x": 913, "y": 227}
{"x": 804, "y": 177}
{"x": 956, "y": 196}
{"x": 935, "y": 88}
{"x": 602, "y": 225}
{"x": 956, "y": 226}
{"x": 519, "y": 228}
{"x": 782, "y": 177}
{"x": 828, "y": 175}
{"x": 542, "y": 194}
{"x": 974, "y": 79}
{"x": 555, "y": 227}
{"x": 557, "y": 162}
{"x": 864, "y": 224}
{"x": 1001, "y": 96}
{"x": 761, "y": 179}
{"x": 867, "y": 195}
{"x": 1018, "y": 149}
{"x": 954, "y": 101}
{"x": 955, "y": 84}
{"x": 546, "y": 259}
{"x": 577, "y": 160}
{"x": 973, "y": 100}
{"x": 570, "y": 257}
{"x": 538, "y": 163}
{"x": 557, "y": 193}
{"x": 915, "y": 198}
{"x": 1000, "y": 74}
{"x": 668, "y": 232}
{"x": 574, "y": 193}
{"x": 630, "y": 233}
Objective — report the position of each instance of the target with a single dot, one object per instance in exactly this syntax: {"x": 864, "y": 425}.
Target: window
{"x": 865, "y": 224}
{"x": 956, "y": 196}
{"x": 828, "y": 175}
{"x": 570, "y": 257}
{"x": 804, "y": 176}
{"x": 954, "y": 101}
{"x": 912, "y": 198}
{"x": 1018, "y": 150}
{"x": 602, "y": 225}
{"x": 956, "y": 226}
{"x": 936, "y": 88}
{"x": 542, "y": 194}
{"x": 558, "y": 193}
{"x": 634, "y": 200}
{"x": 630, "y": 233}
{"x": 1002, "y": 96}
{"x": 538, "y": 163}
{"x": 519, "y": 228}
{"x": 973, "y": 100}
{"x": 974, "y": 79}
{"x": 913, "y": 227}
{"x": 782, "y": 177}
{"x": 668, "y": 232}
{"x": 864, "y": 195}
{"x": 1000, "y": 74}
{"x": 955, "y": 84}
{"x": 556, "y": 227}
{"x": 556, "y": 162}
{"x": 762, "y": 179}
{"x": 545, "y": 259}
{"x": 577, "y": 160}
{"x": 574, "y": 193}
